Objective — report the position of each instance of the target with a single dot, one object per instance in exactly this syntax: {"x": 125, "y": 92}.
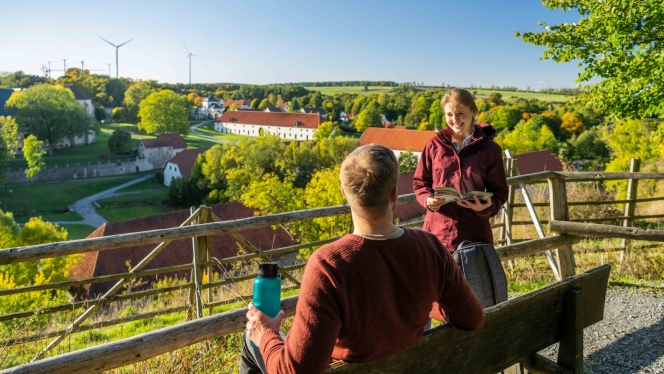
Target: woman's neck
{"x": 460, "y": 137}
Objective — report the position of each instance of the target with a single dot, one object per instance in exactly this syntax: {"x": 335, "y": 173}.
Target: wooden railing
{"x": 202, "y": 224}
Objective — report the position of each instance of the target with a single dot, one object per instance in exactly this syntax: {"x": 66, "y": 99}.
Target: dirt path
{"x": 86, "y": 209}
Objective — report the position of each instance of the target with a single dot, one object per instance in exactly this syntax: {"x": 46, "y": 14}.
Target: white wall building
{"x": 296, "y": 126}
{"x": 181, "y": 165}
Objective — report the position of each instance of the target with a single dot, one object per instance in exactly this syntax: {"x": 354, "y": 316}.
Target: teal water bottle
{"x": 267, "y": 289}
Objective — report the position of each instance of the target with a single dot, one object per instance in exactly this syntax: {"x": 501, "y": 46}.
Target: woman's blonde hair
{"x": 461, "y": 96}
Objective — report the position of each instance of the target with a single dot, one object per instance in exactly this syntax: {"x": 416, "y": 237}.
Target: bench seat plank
{"x": 512, "y": 331}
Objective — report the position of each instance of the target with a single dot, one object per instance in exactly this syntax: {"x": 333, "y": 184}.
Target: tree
{"x": 572, "y": 124}
{"x": 295, "y": 106}
{"x": 8, "y": 146}
{"x": 528, "y": 136}
{"x": 436, "y": 115}
{"x": 495, "y": 99}
{"x": 191, "y": 99}
{"x": 117, "y": 114}
{"x": 100, "y": 113}
{"x": 133, "y": 97}
{"x": 264, "y": 104}
{"x": 368, "y": 117}
{"x": 164, "y": 111}
{"x": 505, "y": 118}
{"x": 254, "y": 104}
{"x": 32, "y": 151}
{"x": 621, "y": 42}
{"x": 324, "y": 130}
{"x": 50, "y": 113}
{"x": 119, "y": 142}
{"x": 407, "y": 161}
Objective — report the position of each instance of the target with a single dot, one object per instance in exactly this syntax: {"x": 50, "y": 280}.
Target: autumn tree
{"x": 571, "y": 124}
{"x": 368, "y": 117}
{"x": 133, "y": 97}
{"x": 254, "y": 103}
{"x": 621, "y": 43}
{"x": 264, "y": 104}
{"x": 50, "y": 113}
{"x": 324, "y": 130}
{"x": 164, "y": 111}
{"x": 117, "y": 114}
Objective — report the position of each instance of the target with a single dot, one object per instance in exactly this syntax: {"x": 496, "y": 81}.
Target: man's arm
{"x": 309, "y": 344}
{"x": 457, "y": 305}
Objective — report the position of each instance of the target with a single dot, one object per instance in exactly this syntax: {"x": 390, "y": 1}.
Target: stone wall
{"x": 81, "y": 170}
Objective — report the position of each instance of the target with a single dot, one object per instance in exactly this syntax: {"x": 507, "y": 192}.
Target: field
{"x": 508, "y": 95}
{"x": 76, "y": 232}
{"x": 55, "y": 197}
{"x": 350, "y": 89}
{"x": 144, "y": 199}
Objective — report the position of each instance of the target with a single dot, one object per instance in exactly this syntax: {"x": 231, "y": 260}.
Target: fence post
{"x": 506, "y": 230}
{"x": 199, "y": 251}
{"x": 559, "y": 212}
{"x": 632, "y": 186}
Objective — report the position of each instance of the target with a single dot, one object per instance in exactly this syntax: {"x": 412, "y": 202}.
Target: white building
{"x": 181, "y": 165}
{"x": 296, "y": 126}
{"x": 398, "y": 140}
{"x": 155, "y": 153}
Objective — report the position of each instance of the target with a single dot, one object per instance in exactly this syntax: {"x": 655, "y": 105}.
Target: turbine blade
{"x": 125, "y": 43}
{"x": 185, "y": 45}
{"x": 108, "y": 42}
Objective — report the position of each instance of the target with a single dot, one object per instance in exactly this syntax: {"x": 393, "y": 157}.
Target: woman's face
{"x": 459, "y": 118}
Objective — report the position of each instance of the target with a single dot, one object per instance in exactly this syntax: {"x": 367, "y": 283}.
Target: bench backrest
{"x": 512, "y": 331}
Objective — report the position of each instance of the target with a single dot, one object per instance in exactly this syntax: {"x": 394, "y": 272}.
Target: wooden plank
{"x": 541, "y": 365}
{"x": 559, "y": 211}
{"x": 530, "y": 323}
{"x": 604, "y": 202}
{"x": 570, "y": 352}
{"x": 606, "y": 231}
{"x": 512, "y": 330}
{"x": 632, "y": 188}
{"x": 143, "y": 346}
{"x": 535, "y": 246}
{"x": 574, "y": 176}
{"x": 540, "y": 177}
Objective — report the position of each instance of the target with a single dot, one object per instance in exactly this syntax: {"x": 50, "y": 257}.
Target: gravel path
{"x": 630, "y": 339}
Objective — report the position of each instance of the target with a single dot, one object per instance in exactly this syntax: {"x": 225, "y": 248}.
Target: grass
{"x": 149, "y": 184}
{"x": 508, "y": 95}
{"x": 76, "y": 232}
{"x": 135, "y": 205}
{"x": 209, "y": 131}
{"x": 56, "y": 197}
{"x": 350, "y": 89}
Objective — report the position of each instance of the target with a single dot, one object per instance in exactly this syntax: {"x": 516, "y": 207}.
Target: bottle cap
{"x": 268, "y": 269}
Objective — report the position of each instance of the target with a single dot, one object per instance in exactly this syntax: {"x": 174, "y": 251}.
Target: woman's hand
{"x": 434, "y": 204}
{"x": 476, "y": 206}
{"x": 259, "y": 323}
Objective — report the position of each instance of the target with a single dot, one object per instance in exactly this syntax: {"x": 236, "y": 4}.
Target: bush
{"x": 119, "y": 142}
{"x": 183, "y": 193}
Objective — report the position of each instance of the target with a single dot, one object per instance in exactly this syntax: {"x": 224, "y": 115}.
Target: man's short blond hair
{"x": 368, "y": 176}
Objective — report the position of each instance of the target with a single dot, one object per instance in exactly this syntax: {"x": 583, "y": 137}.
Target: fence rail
{"x": 199, "y": 228}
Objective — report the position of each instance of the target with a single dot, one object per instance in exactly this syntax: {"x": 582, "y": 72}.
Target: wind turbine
{"x": 189, "y": 54}
{"x": 116, "y": 54}
{"x": 64, "y": 60}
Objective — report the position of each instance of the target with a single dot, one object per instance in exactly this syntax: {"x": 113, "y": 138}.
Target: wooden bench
{"x": 513, "y": 332}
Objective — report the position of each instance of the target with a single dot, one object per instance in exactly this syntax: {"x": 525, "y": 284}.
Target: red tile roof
{"x": 170, "y": 139}
{"x": 186, "y": 159}
{"x": 304, "y": 120}
{"x": 239, "y": 103}
{"x": 397, "y": 139}
{"x": 178, "y": 252}
{"x": 534, "y": 162}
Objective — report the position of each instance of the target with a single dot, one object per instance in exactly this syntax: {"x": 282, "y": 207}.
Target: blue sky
{"x": 249, "y": 41}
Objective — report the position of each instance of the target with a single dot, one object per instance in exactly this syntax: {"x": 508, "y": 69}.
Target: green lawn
{"x": 210, "y": 131}
{"x": 149, "y": 184}
{"x": 350, "y": 89}
{"x": 140, "y": 204}
{"x": 55, "y": 197}
{"x": 508, "y": 95}
{"x": 76, "y": 232}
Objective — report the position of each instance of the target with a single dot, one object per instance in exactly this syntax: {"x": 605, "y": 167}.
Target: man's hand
{"x": 476, "y": 206}
{"x": 259, "y": 323}
{"x": 434, "y": 204}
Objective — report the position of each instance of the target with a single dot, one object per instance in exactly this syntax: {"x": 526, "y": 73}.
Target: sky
{"x": 458, "y": 43}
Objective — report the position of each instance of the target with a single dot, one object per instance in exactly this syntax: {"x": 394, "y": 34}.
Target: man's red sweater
{"x": 364, "y": 300}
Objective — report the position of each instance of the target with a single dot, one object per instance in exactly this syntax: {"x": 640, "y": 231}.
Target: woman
{"x": 463, "y": 155}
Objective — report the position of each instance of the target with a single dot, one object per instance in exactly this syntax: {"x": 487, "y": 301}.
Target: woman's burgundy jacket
{"x": 477, "y": 167}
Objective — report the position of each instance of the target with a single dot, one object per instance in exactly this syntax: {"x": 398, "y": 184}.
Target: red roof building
{"x": 534, "y": 162}
{"x": 181, "y": 164}
{"x": 296, "y": 126}
{"x": 397, "y": 139}
{"x": 178, "y": 252}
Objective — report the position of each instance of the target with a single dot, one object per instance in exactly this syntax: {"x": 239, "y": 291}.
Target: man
{"x": 368, "y": 295}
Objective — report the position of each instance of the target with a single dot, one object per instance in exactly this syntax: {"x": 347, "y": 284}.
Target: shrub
{"x": 119, "y": 142}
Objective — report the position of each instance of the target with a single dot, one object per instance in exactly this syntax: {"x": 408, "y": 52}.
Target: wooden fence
{"x": 202, "y": 224}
